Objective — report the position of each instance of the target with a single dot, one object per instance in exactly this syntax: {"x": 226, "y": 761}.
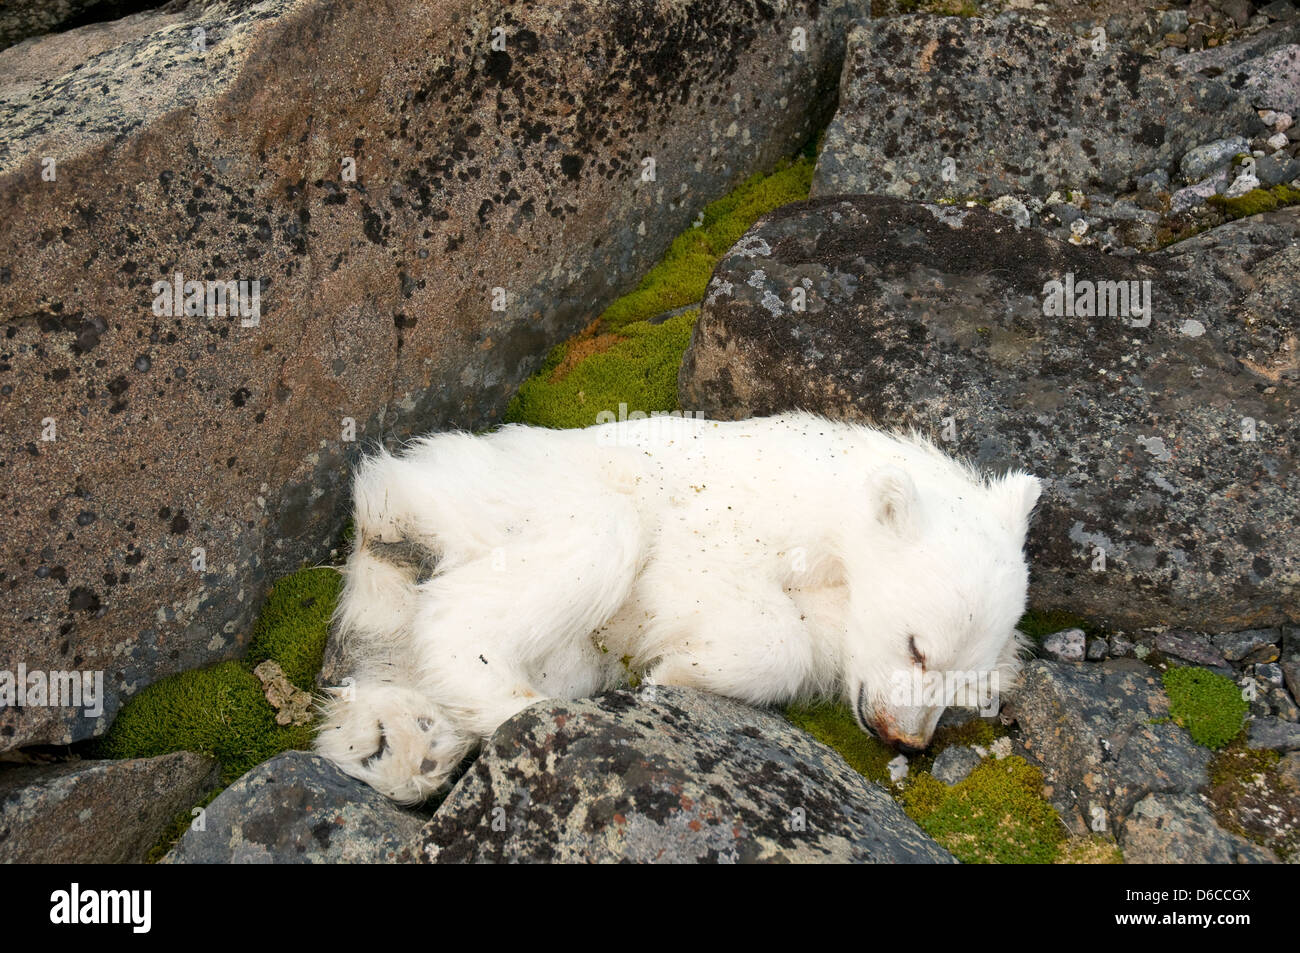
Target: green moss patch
{"x": 997, "y": 815}
{"x": 293, "y": 626}
{"x": 1257, "y": 201}
{"x": 1208, "y": 705}
{"x": 623, "y": 360}
{"x": 636, "y": 368}
{"x": 221, "y": 710}
{"x": 833, "y": 724}
{"x": 681, "y": 278}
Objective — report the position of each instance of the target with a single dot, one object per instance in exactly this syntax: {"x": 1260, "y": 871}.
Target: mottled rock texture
{"x": 96, "y": 812}
{"x": 1179, "y": 829}
{"x": 1016, "y": 106}
{"x": 196, "y": 456}
{"x": 677, "y": 776}
{"x": 298, "y": 808}
{"x": 1168, "y": 447}
{"x": 1103, "y": 736}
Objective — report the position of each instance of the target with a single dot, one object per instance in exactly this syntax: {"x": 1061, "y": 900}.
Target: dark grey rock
{"x": 1277, "y": 169}
{"x": 1253, "y": 646}
{"x": 298, "y": 808}
{"x": 1097, "y": 650}
{"x": 1271, "y": 673}
{"x": 668, "y": 776}
{"x": 96, "y": 812}
{"x": 1018, "y": 107}
{"x": 1205, "y": 160}
{"x": 933, "y": 317}
{"x": 1179, "y": 829}
{"x": 1101, "y": 733}
{"x": 954, "y": 764}
{"x": 1290, "y": 660}
{"x": 1273, "y": 734}
{"x": 1193, "y": 648}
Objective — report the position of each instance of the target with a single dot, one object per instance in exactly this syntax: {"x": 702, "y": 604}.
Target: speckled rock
{"x": 677, "y": 776}
{"x": 1017, "y": 107}
{"x": 955, "y": 763}
{"x": 389, "y": 177}
{"x": 1067, "y": 646}
{"x": 1168, "y": 442}
{"x": 1179, "y": 829}
{"x": 96, "y": 812}
{"x": 1271, "y": 81}
{"x": 1273, "y": 734}
{"x": 1100, "y": 732}
{"x": 298, "y": 808}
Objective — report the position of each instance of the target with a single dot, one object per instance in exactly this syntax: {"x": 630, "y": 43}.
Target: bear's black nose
{"x": 909, "y": 749}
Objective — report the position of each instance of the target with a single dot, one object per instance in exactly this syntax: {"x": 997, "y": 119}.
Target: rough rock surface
{"x": 20, "y": 19}
{"x": 1179, "y": 829}
{"x": 1016, "y": 106}
{"x": 96, "y": 812}
{"x": 159, "y": 469}
{"x": 298, "y": 808}
{"x": 673, "y": 776}
{"x": 1168, "y": 444}
{"x": 1101, "y": 733}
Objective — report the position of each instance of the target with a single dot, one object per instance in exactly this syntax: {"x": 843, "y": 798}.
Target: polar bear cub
{"x": 769, "y": 559}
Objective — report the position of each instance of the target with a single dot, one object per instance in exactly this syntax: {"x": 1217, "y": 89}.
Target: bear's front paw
{"x": 394, "y": 739}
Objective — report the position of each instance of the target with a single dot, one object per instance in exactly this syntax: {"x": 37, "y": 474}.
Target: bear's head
{"x": 939, "y": 585}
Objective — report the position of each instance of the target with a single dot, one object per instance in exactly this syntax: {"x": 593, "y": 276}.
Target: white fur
{"x": 768, "y": 559}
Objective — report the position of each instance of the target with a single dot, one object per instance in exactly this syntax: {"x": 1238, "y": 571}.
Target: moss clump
{"x": 221, "y": 710}
{"x": 997, "y": 815}
{"x": 1256, "y": 201}
{"x": 1090, "y": 850}
{"x": 637, "y": 368}
{"x": 218, "y": 710}
{"x": 681, "y": 278}
{"x": 622, "y": 358}
{"x": 833, "y": 724}
{"x": 1038, "y": 624}
{"x": 293, "y": 626}
{"x": 1208, "y": 705}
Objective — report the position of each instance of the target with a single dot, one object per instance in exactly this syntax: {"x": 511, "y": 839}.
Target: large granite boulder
{"x": 668, "y": 775}
{"x": 96, "y": 812}
{"x": 1016, "y": 107}
{"x": 298, "y": 808}
{"x": 425, "y": 196}
{"x": 1167, "y": 439}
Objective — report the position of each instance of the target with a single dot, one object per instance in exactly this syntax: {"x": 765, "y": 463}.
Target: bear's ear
{"x": 893, "y": 499}
{"x": 1017, "y": 493}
